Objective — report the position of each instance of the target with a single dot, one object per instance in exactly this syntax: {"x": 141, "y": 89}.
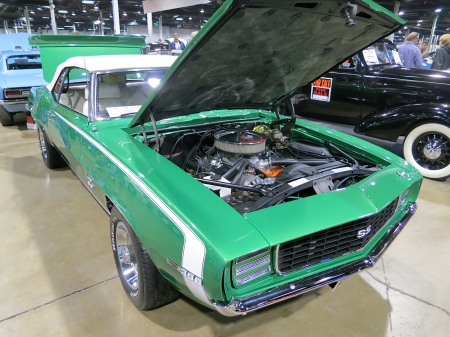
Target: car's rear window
{"x": 381, "y": 54}
{"x": 17, "y": 62}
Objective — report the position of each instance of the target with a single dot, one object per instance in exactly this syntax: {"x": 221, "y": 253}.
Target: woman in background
{"x": 441, "y": 60}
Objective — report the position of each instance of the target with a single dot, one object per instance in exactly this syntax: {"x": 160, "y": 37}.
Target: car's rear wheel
{"x": 427, "y": 148}
{"x": 6, "y": 118}
{"x": 50, "y": 155}
{"x": 144, "y": 285}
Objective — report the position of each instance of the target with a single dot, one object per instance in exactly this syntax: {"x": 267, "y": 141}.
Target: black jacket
{"x": 441, "y": 60}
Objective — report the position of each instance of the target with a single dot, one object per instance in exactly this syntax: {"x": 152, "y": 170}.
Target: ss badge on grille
{"x": 363, "y": 232}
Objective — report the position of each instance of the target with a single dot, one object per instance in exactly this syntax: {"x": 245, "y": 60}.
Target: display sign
{"x": 397, "y": 59}
{"x": 370, "y": 55}
{"x": 321, "y": 89}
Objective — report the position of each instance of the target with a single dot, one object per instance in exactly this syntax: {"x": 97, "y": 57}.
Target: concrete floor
{"x": 58, "y": 276}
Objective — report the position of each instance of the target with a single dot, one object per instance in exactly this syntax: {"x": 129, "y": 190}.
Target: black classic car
{"x": 373, "y": 92}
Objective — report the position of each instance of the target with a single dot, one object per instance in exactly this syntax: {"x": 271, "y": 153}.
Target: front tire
{"x": 427, "y": 148}
{"x": 144, "y": 285}
{"x": 6, "y": 118}
{"x": 50, "y": 155}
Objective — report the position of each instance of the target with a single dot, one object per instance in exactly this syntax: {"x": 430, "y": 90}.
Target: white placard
{"x": 117, "y": 111}
{"x": 370, "y": 55}
{"x": 397, "y": 59}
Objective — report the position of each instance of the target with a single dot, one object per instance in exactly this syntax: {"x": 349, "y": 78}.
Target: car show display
{"x": 20, "y": 69}
{"x": 210, "y": 191}
{"x": 373, "y": 92}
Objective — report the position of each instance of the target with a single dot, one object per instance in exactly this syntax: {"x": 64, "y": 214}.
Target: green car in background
{"x": 211, "y": 193}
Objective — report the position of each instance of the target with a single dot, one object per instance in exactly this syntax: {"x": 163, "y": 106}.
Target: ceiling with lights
{"x": 85, "y": 15}
{"x": 420, "y": 15}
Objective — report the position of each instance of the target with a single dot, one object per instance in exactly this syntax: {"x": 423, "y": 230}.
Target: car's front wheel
{"x": 427, "y": 148}
{"x": 6, "y": 118}
{"x": 144, "y": 285}
{"x": 50, "y": 155}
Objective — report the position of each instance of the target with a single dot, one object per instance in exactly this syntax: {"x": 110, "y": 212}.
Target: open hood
{"x": 254, "y": 54}
{"x": 55, "y": 49}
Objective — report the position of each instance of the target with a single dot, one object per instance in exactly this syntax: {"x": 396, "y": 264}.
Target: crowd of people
{"x": 413, "y": 53}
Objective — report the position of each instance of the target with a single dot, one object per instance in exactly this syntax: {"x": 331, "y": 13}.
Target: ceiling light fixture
{"x": 125, "y": 14}
{"x": 401, "y": 13}
{"x": 438, "y": 10}
{"x": 202, "y": 11}
{"x": 190, "y": 17}
{"x": 73, "y": 13}
{"x": 84, "y": 9}
{"x": 31, "y": 11}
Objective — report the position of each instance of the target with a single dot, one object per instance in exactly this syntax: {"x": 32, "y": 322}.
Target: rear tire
{"x": 50, "y": 155}
{"x": 6, "y": 117}
{"x": 427, "y": 148}
{"x": 144, "y": 285}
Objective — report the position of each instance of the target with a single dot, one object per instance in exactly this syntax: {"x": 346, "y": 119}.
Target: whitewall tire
{"x": 427, "y": 148}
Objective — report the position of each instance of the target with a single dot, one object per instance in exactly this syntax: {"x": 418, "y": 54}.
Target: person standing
{"x": 441, "y": 60}
{"x": 424, "y": 49}
{"x": 176, "y": 43}
{"x": 410, "y": 54}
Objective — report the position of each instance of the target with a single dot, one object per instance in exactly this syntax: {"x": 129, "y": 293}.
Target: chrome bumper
{"x": 296, "y": 288}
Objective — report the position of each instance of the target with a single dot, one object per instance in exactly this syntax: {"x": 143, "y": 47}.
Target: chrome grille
{"x": 331, "y": 243}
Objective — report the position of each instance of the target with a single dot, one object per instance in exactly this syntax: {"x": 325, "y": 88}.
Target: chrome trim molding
{"x": 296, "y": 288}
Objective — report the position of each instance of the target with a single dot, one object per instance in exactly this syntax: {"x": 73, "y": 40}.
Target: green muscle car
{"x": 211, "y": 192}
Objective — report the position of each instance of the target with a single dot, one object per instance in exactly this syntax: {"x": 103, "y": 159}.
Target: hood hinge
{"x": 157, "y": 146}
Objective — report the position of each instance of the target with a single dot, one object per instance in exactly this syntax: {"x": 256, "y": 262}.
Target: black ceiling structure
{"x": 84, "y": 14}
{"x": 420, "y": 15}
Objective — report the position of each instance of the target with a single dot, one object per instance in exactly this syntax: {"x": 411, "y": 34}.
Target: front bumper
{"x": 296, "y": 288}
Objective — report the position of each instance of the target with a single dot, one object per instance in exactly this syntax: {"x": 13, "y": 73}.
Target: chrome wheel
{"x": 427, "y": 148}
{"x": 431, "y": 150}
{"x": 127, "y": 256}
{"x": 42, "y": 144}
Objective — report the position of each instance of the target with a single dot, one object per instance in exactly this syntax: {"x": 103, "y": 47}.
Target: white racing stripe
{"x": 194, "y": 251}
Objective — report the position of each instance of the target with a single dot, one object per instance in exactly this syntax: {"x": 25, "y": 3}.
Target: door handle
{"x": 50, "y": 114}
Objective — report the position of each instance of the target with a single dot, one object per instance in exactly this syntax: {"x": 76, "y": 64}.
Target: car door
{"x": 69, "y": 128}
{"x": 334, "y": 97}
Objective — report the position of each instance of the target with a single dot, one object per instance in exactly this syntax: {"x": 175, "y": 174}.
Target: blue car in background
{"x": 20, "y": 69}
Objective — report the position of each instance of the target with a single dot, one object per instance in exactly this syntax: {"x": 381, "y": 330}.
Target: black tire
{"x": 427, "y": 148}
{"x": 144, "y": 285}
{"x": 6, "y": 117}
{"x": 52, "y": 158}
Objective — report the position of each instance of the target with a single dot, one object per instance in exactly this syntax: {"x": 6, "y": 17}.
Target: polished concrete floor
{"x": 58, "y": 278}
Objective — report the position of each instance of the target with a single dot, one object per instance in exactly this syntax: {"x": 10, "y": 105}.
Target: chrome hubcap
{"x": 127, "y": 257}
{"x": 42, "y": 144}
{"x": 432, "y": 151}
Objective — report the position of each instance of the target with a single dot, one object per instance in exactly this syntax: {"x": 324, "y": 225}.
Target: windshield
{"x": 16, "y": 62}
{"x": 381, "y": 53}
{"x": 121, "y": 94}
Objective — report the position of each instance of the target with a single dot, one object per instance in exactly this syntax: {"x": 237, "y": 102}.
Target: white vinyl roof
{"x": 114, "y": 62}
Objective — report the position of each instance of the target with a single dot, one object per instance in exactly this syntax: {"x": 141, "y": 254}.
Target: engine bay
{"x": 255, "y": 165}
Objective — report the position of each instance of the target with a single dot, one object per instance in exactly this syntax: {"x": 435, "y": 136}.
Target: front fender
{"x": 389, "y": 125}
